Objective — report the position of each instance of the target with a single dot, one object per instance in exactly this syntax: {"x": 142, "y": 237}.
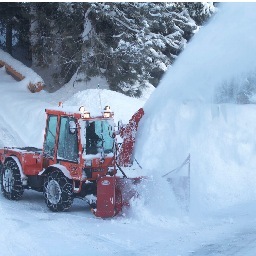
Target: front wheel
{"x": 58, "y": 191}
{"x": 10, "y": 180}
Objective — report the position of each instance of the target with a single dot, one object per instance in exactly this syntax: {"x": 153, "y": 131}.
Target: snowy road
{"x": 243, "y": 243}
{"x": 238, "y": 243}
{"x": 29, "y": 228}
{"x": 227, "y": 233}
{"x": 36, "y": 231}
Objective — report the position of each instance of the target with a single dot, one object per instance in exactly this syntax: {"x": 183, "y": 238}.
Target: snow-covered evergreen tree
{"x": 56, "y": 40}
{"x": 200, "y": 12}
{"x": 14, "y": 26}
{"x": 132, "y": 44}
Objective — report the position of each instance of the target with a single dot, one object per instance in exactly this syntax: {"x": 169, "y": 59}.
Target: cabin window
{"x": 99, "y": 137}
{"x": 68, "y": 144}
{"x": 50, "y": 138}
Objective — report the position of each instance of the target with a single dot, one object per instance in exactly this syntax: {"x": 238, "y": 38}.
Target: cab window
{"x": 68, "y": 144}
{"x": 50, "y": 136}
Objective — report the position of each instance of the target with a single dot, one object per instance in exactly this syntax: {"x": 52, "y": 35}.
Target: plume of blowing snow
{"x": 181, "y": 119}
{"x": 222, "y": 50}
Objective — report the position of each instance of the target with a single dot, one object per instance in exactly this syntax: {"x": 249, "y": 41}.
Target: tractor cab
{"x": 81, "y": 143}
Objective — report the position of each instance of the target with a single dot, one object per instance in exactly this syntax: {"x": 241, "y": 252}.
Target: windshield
{"x": 97, "y": 136}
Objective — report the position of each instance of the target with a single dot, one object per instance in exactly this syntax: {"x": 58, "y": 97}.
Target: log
{"x": 37, "y": 87}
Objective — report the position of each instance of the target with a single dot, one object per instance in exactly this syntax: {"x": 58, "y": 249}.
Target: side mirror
{"x": 72, "y": 127}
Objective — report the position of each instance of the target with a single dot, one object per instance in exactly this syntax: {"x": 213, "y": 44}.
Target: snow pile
{"x": 29, "y": 74}
{"x": 78, "y": 83}
{"x": 95, "y": 100}
{"x": 181, "y": 119}
{"x": 22, "y": 112}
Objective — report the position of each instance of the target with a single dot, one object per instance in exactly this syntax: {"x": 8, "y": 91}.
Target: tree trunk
{"x": 8, "y": 43}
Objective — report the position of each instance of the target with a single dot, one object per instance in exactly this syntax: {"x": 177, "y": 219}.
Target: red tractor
{"x": 79, "y": 159}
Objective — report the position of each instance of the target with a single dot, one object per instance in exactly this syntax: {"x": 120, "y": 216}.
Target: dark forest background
{"x": 129, "y": 44}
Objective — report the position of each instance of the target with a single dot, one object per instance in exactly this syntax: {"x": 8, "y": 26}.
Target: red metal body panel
{"x": 106, "y": 197}
{"x": 113, "y": 193}
{"x": 31, "y": 162}
{"x": 128, "y": 134}
{"x": 99, "y": 169}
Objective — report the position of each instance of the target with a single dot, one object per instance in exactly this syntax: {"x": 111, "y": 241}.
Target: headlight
{"x": 84, "y": 113}
{"x": 107, "y": 112}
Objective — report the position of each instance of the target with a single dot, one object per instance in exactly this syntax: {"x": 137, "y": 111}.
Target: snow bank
{"x": 79, "y": 83}
{"x": 22, "y": 112}
{"x": 96, "y": 99}
{"x": 181, "y": 119}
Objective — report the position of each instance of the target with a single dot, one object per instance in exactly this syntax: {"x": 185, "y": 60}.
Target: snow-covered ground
{"x": 28, "y": 227}
{"x": 180, "y": 119}
{"x": 29, "y": 75}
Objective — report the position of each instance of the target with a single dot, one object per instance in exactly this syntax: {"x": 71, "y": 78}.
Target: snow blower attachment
{"x": 79, "y": 159}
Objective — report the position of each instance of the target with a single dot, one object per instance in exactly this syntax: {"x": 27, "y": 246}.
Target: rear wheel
{"x": 10, "y": 179}
{"x": 58, "y": 191}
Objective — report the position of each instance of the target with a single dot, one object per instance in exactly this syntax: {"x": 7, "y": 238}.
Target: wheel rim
{"x": 8, "y": 180}
{"x": 53, "y": 192}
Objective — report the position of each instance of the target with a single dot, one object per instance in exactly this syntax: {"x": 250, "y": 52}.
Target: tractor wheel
{"x": 10, "y": 179}
{"x": 58, "y": 191}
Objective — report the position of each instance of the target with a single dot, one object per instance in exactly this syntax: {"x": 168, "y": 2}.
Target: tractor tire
{"x": 10, "y": 180}
{"x": 58, "y": 191}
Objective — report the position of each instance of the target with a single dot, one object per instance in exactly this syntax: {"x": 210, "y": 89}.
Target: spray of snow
{"x": 181, "y": 118}
{"x": 223, "y": 50}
